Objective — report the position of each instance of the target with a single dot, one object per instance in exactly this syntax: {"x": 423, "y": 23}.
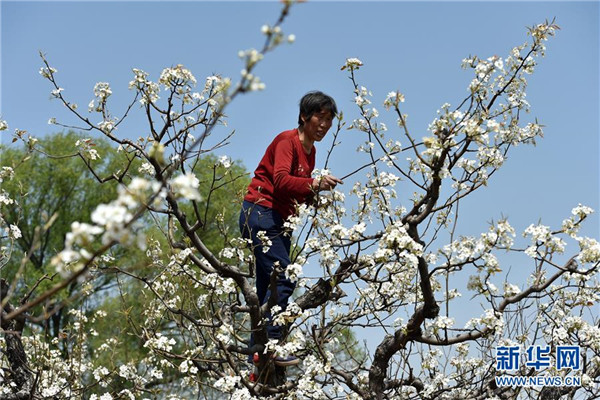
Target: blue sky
{"x": 408, "y": 46}
{"x": 414, "y": 47}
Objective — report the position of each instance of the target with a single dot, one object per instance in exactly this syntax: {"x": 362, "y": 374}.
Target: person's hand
{"x": 326, "y": 182}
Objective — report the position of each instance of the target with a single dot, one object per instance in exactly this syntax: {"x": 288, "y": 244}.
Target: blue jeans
{"x": 255, "y": 218}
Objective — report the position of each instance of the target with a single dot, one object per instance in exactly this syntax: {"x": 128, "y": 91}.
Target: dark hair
{"x": 313, "y": 102}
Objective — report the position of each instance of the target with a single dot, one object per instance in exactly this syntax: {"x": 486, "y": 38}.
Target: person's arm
{"x": 283, "y": 179}
{"x": 295, "y": 185}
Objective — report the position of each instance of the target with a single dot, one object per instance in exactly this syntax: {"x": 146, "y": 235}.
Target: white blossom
{"x": 177, "y": 77}
{"x": 589, "y": 250}
{"x": 106, "y": 126}
{"x": 147, "y": 169}
{"x": 582, "y": 211}
{"x": 14, "y": 232}
{"x": 227, "y": 383}
{"x": 352, "y": 64}
{"x": 102, "y": 91}
{"x": 160, "y": 342}
{"x": 293, "y": 272}
{"x": 225, "y": 161}
{"x": 393, "y": 99}
{"x": 186, "y": 186}
{"x": 86, "y": 148}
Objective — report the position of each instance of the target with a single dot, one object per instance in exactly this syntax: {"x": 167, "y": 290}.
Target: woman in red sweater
{"x": 281, "y": 181}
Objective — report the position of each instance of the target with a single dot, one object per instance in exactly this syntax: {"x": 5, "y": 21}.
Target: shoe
{"x": 278, "y": 361}
{"x": 253, "y": 377}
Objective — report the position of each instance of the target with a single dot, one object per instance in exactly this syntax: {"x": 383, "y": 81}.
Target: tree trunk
{"x": 19, "y": 371}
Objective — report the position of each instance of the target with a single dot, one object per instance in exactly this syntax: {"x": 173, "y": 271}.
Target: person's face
{"x": 316, "y": 127}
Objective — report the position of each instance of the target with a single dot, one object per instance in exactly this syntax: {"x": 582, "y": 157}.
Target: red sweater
{"x": 282, "y": 178}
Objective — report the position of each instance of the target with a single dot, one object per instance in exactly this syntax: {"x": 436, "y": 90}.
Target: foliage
{"x": 50, "y": 186}
{"x": 58, "y": 186}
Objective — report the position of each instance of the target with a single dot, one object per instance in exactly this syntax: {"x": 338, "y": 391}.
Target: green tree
{"x": 222, "y": 186}
{"x": 53, "y": 186}
{"x": 59, "y": 185}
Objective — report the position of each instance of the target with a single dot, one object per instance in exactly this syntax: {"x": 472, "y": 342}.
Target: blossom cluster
{"x": 186, "y": 186}
{"x": 86, "y": 149}
{"x": 178, "y": 78}
{"x": 352, "y": 64}
{"x": 276, "y": 35}
{"x": 147, "y": 88}
{"x": 78, "y": 375}
{"x": 114, "y": 221}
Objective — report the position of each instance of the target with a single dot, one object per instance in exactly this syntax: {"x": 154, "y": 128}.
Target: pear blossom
{"x": 582, "y": 211}
{"x": 147, "y": 168}
{"x": 227, "y": 383}
{"x": 177, "y": 77}
{"x": 393, "y": 99}
{"x": 86, "y": 148}
{"x": 589, "y": 250}
{"x": 352, "y": 64}
{"x": 102, "y": 91}
{"x": 160, "y": 342}
{"x": 225, "y": 161}
{"x": 14, "y": 232}
{"x": 47, "y": 72}
{"x": 106, "y": 126}
{"x": 6, "y": 172}
{"x": 293, "y": 272}
{"x": 186, "y": 186}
